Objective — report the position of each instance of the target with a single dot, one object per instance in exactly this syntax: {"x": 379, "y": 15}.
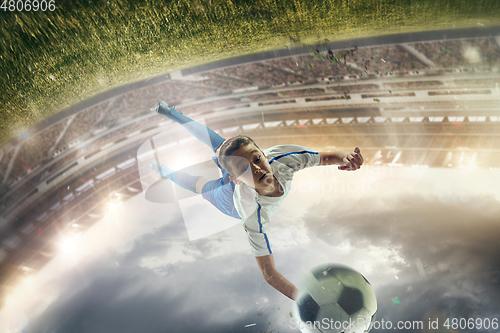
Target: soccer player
{"x": 253, "y": 183}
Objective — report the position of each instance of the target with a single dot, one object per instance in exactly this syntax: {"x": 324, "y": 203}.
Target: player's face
{"x": 250, "y": 166}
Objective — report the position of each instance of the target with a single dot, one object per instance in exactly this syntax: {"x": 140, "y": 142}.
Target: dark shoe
{"x": 164, "y": 109}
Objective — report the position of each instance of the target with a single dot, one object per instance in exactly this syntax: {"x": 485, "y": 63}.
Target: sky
{"x": 426, "y": 239}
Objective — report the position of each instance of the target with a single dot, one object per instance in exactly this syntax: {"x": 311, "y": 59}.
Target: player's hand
{"x": 352, "y": 161}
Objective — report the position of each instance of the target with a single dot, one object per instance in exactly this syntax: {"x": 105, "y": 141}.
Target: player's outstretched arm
{"x": 274, "y": 278}
{"x": 345, "y": 160}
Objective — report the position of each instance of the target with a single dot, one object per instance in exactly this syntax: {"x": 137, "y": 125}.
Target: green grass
{"x": 53, "y": 60}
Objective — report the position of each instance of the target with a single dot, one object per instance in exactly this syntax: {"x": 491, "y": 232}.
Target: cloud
{"x": 445, "y": 246}
{"x": 141, "y": 272}
{"x": 218, "y": 295}
{"x": 147, "y": 286}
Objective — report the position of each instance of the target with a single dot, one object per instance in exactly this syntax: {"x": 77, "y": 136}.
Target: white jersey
{"x": 256, "y": 210}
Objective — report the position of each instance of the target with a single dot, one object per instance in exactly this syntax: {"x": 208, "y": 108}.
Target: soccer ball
{"x": 335, "y": 299}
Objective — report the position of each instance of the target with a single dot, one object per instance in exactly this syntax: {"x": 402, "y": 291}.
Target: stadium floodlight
{"x": 67, "y": 245}
{"x": 161, "y": 191}
{"x": 27, "y": 281}
{"x": 113, "y": 204}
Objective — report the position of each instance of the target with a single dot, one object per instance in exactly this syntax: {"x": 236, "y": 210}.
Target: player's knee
{"x": 199, "y": 184}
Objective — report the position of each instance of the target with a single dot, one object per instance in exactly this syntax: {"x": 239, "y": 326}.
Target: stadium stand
{"x": 302, "y": 92}
{"x": 308, "y": 68}
{"x": 23, "y": 191}
{"x": 208, "y": 106}
{"x": 81, "y": 126}
{"x": 477, "y": 83}
{"x": 62, "y": 161}
{"x": 175, "y": 91}
{"x": 353, "y": 88}
{"x": 462, "y": 53}
{"x": 488, "y": 49}
{"x": 34, "y": 152}
{"x": 113, "y": 120}
{"x": 4, "y": 163}
{"x": 386, "y": 59}
{"x": 415, "y": 85}
{"x": 221, "y": 81}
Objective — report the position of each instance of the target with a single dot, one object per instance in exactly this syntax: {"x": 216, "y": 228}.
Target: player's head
{"x": 245, "y": 162}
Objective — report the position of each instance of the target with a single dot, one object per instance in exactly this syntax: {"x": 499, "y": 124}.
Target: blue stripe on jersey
{"x": 294, "y": 152}
{"x": 268, "y": 247}
{"x": 260, "y": 228}
{"x": 258, "y": 214}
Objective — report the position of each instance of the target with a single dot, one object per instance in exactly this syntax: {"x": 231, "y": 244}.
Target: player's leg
{"x": 200, "y": 183}
{"x": 182, "y": 179}
{"x": 219, "y": 193}
{"x": 214, "y": 140}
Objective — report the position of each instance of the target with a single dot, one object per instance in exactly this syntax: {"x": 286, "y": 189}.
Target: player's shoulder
{"x": 286, "y": 150}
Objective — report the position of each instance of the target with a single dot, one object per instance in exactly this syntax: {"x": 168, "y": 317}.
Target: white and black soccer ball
{"x": 335, "y": 299}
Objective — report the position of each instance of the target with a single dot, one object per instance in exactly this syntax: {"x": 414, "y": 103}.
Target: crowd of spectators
{"x": 452, "y": 53}
{"x": 327, "y": 98}
{"x": 176, "y": 91}
{"x": 297, "y": 65}
{"x": 459, "y": 92}
{"x": 35, "y": 151}
{"x": 126, "y": 107}
{"x": 386, "y": 59}
{"x": 302, "y": 92}
{"x": 112, "y": 115}
{"x": 4, "y": 163}
{"x": 106, "y": 139}
{"x": 444, "y": 53}
{"x": 258, "y": 74}
{"x": 353, "y": 88}
{"x": 389, "y": 94}
{"x": 415, "y": 85}
{"x": 309, "y": 67}
{"x": 488, "y": 49}
{"x": 208, "y": 106}
{"x": 284, "y": 94}
{"x": 477, "y": 83}
{"x": 82, "y": 125}
{"x": 218, "y": 80}
{"x": 110, "y": 138}
{"x": 172, "y": 91}
{"x": 277, "y": 102}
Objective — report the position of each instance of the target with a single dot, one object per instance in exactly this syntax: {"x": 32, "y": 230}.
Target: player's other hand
{"x": 352, "y": 161}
